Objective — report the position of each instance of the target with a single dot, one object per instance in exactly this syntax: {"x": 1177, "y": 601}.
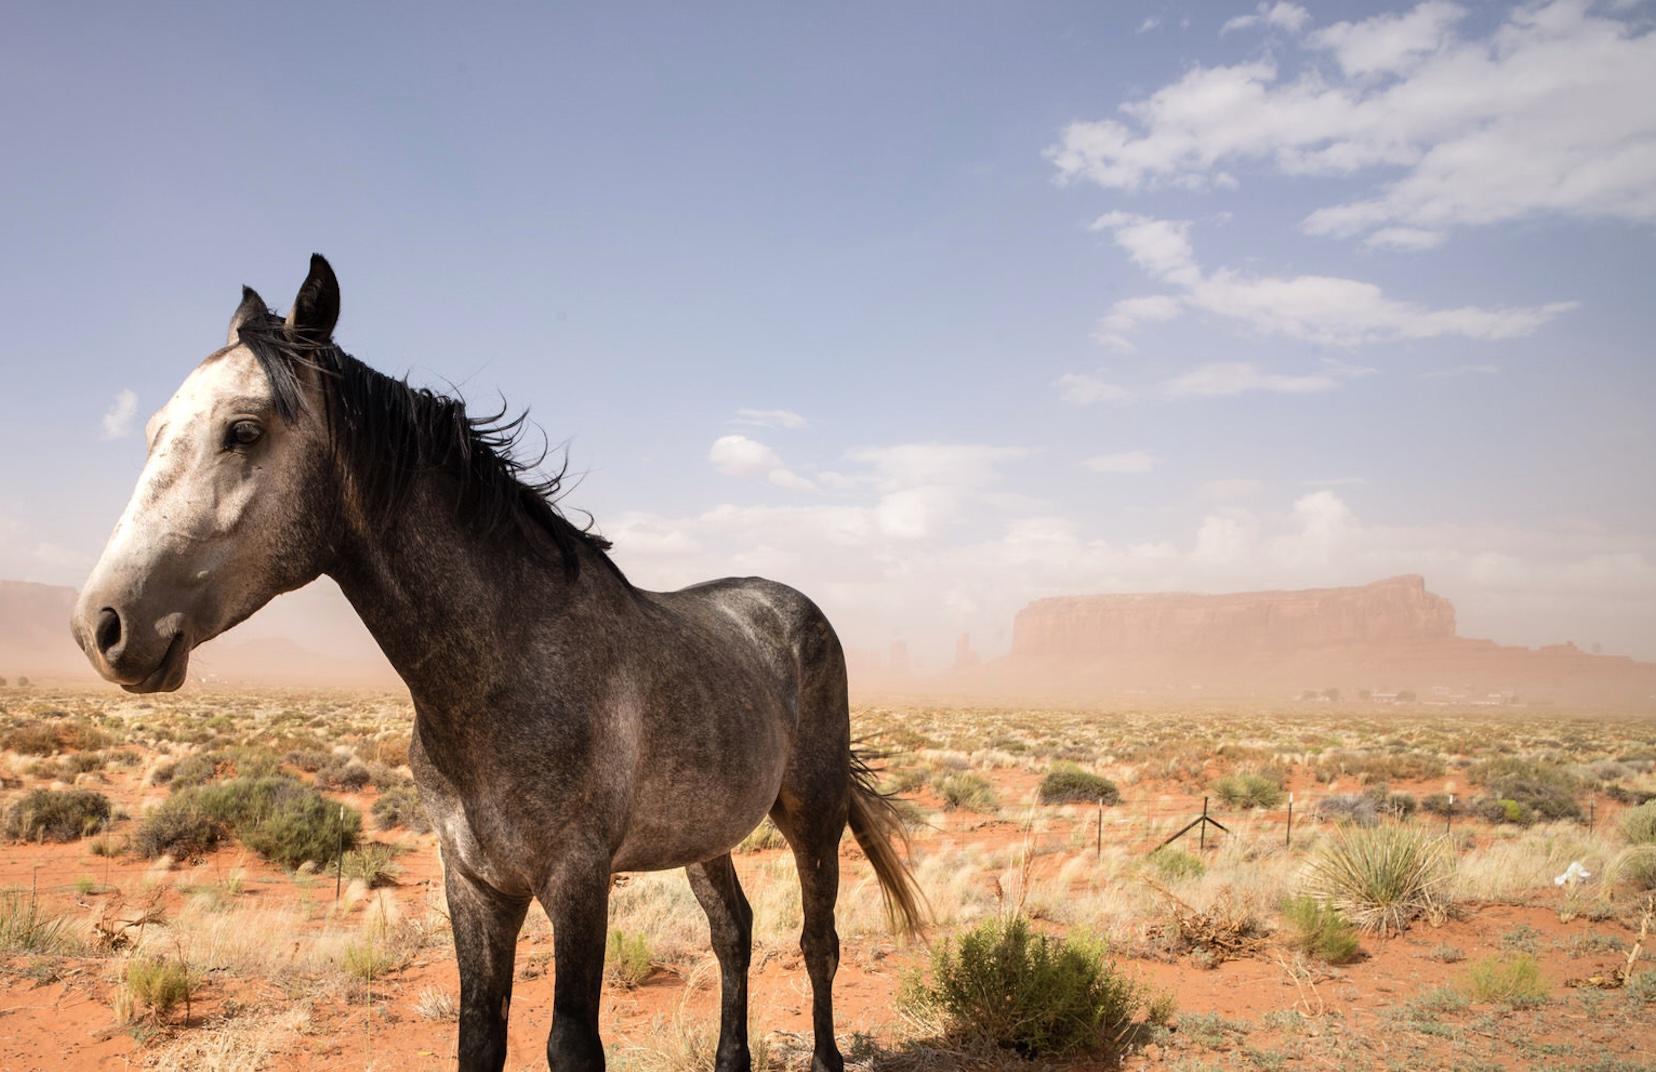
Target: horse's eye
{"x": 242, "y": 434}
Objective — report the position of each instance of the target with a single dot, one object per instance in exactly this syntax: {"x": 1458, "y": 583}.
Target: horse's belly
{"x": 689, "y": 811}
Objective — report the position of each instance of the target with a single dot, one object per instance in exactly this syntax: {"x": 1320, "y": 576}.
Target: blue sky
{"x": 928, "y": 309}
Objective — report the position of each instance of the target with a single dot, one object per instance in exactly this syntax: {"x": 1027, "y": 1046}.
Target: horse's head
{"x": 235, "y": 504}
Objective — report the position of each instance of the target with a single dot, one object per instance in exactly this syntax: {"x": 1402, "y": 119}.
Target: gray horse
{"x": 567, "y": 725}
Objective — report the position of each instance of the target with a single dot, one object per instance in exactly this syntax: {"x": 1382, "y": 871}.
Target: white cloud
{"x": 1388, "y": 43}
{"x": 1129, "y": 313}
{"x": 1150, "y": 23}
{"x": 1551, "y": 112}
{"x": 1314, "y": 308}
{"x": 1280, "y": 15}
{"x": 1220, "y": 378}
{"x": 1128, "y": 461}
{"x": 737, "y": 455}
{"x": 1084, "y": 389}
{"x": 770, "y": 418}
{"x": 117, "y": 420}
{"x": 1408, "y": 239}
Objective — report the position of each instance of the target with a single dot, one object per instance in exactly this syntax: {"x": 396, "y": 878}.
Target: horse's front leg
{"x": 576, "y": 898}
{"x": 486, "y": 924}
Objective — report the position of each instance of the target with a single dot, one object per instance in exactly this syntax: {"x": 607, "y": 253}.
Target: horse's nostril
{"x": 108, "y": 635}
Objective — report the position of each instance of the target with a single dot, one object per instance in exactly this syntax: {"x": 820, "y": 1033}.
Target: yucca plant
{"x": 1382, "y": 878}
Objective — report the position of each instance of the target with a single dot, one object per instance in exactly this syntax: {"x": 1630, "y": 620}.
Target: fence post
{"x": 339, "y": 861}
{"x": 1098, "y": 846}
{"x": 1202, "y": 836}
{"x": 1288, "y": 839}
{"x": 1449, "y": 817}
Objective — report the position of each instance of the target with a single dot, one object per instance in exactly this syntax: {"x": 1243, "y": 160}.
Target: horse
{"x": 568, "y": 726}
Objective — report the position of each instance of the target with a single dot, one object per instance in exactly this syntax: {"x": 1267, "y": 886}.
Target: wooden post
{"x": 1098, "y": 845}
{"x": 1449, "y": 817}
{"x": 1592, "y": 809}
{"x": 339, "y": 861}
{"x": 1288, "y": 838}
{"x": 1202, "y": 835}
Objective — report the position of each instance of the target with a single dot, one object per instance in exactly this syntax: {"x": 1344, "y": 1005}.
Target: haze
{"x": 929, "y": 311}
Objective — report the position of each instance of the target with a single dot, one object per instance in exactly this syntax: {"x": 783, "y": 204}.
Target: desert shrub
{"x": 1175, "y": 864}
{"x": 391, "y": 751}
{"x": 1641, "y": 988}
{"x": 627, "y": 958}
{"x": 31, "y": 739}
{"x": 1002, "y": 984}
{"x": 1384, "y": 877}
{"x": 253, "y": 761}
{"x": 27, "y": 927}
{"x": 1248, "y": 789}
{"x": 1634, "y": 868}
{"x": 1639, "y": 824}
{"x": 1442, "y": 805}
{"x": 1379, "y": 767}
{"x": 1358, "y": 808}
{"x": 281, "y": 819}
{"x": 373, "y": 864}
{"x": 764, "y": 836}
{"x": 1540, "y": 791}
{"x": 1318, "y": 930}
{"x": 342, "y": 773}
{"x": 154, "y": 987}
{"x": 309, "y": 760}
{"x": 198, "y": 768}
{"x": 1515, "y": 982}
{"x": 967, "y": 791}
{"x": 56, "y": 815}
{"x": 1067, "y": 783}
{"x": 179, "y": 828}
{"x": 400, "y": 806}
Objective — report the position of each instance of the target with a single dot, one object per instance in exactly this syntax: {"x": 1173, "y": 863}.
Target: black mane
{"x": 387, "y": 432}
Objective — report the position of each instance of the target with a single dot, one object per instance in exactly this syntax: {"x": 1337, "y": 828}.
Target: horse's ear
{"x": 252, "y": 306}
{"x": 316, "y": 309}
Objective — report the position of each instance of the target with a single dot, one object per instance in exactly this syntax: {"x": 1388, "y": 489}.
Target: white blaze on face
{"x": 187, "y": 557}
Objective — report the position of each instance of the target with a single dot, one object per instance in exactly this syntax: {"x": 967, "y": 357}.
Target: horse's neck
{"x": 457, "y": 614}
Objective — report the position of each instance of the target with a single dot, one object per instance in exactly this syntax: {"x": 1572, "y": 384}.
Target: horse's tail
{"x": 878, "y": 827}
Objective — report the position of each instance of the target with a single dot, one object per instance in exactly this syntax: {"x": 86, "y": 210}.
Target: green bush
{"x": 56, "y": 815}
{"x": 281, "y": 819}
{"x": 1003, "y": 985}
{"x": 1384, "y": 877}
{"x": 372, "y": 863}
{"x": 1634, "y": 869}
{"x": 1067, "y": 783}
{"x": 156, "y": 987}
{"x": 400, "y": 806}
{"x": 198, "y": 768}
{"x": 1176, "y": 864}
{"x": 1318, "y": 930}
{"x": 1514, "y": 982}
{"x": 627, "y": 959}
{"x": 1540, "y": 791}
{"x": 967, "y": 791}
{"x": 180, "y": 827}
{"x": 1639, "y": 824}
{"x": 1248, "y": 789}
{"x": 31, "y": 739}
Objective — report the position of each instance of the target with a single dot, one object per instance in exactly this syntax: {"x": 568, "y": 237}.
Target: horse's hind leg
{"x": 811, "y": 813}
{"x": 731, "y": 922}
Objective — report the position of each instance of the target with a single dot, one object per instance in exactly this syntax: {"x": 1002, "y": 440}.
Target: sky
{"x": 928, "y": 309}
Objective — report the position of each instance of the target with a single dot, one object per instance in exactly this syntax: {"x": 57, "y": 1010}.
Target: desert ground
{"x": 1460, "y": 888}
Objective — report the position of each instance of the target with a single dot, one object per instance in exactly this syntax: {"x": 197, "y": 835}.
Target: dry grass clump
{"x": 153, "y": 987}
{"x": 1227, "y": 929}
{"x": 1639, "y": 824}
{"x": 967, "y": 791}
{"x": 1382, "y": 878}
{"x": 399, "y": 805}
{"x": 627, "y": 960}
{"x": 27, "y": 927}
{"x": 56, "y": 815}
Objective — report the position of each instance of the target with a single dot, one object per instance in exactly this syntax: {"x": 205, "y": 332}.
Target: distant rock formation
{"x": 1398, "y": 610}
{"x": 1389, "y": 635}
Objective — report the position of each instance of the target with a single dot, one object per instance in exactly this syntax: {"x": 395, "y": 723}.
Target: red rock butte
{"x": 1387, "y": 637}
